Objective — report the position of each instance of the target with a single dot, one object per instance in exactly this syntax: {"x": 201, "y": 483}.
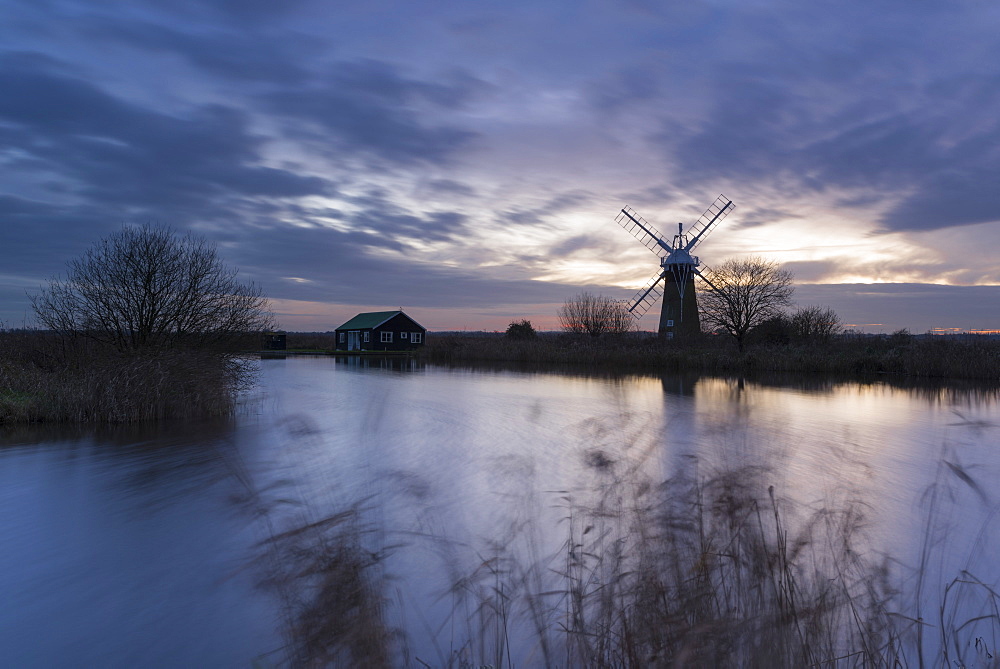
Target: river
{"x": 155, "y": 546}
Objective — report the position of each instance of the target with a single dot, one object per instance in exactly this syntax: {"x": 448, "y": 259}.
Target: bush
{"x": 521, "y": 329}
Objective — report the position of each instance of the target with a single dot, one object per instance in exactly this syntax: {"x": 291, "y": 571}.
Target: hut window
{"x": 386, "y": 337}
{"x": 402, "y": 335}
{"x": 341, "y": 337}
{"x": 368, "y": 336}
{"x": 415, "y": 338}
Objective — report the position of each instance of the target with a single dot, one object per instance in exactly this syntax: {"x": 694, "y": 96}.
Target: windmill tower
{"x": 679, "y": 316}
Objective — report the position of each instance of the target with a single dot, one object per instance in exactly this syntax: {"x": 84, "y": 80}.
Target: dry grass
{"x": 44, "y": 379}
{"x": 693, "y": 572}
{"x": 311, "y": 341}
{"x": 974, "y": 358}
{"x": 331, "y": 588}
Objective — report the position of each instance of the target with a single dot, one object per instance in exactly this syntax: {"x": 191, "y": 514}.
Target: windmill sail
{"x": 646, "y": 297}
{"x": 717, "y": 211}
{"x": 705, "y": 273}
{"x": 643, "y": 231}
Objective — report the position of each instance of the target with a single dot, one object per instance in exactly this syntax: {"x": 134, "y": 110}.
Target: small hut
{"x": 273, "y": 341}
{"x": 380, "y": 331}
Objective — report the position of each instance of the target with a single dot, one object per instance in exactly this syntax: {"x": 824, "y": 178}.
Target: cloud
{"x": 39, "y": 237}
{"x": 232, "y": 54}
{"x": 951, "y": 198}
{"x": 917, "y": 307}
{"x": 116, "y": 153}
{"x": 901, "y": 119}
{"x": 576, "y": 243}
{"x": 812, "y": 270}
{"x": 376, "y": 210}
{"x": 445, "y": 154}
{"x": 450, "y": 187}
{"x": 244, "y": 12}
{"x": 369, "y": 107}
{"x": 342, "y": 270}
{"x": 625, "y": 88}
{"x": 553, "y": 206}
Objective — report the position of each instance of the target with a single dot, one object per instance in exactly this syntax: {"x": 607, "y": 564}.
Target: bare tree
{"x": 151, "y": 288}
{"x": 815, "y": 324}
{"x": 595, "y": 315}
{"x": 743, "y": 294}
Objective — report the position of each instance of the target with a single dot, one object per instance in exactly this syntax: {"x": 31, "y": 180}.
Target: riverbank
{"x": 46, "y": 380}
{"x": 900, "y": 355}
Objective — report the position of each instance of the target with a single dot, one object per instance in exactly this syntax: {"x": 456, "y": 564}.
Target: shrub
{"x": 521, "y": 329}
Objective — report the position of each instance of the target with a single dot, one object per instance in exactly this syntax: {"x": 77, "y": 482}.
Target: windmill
{"x": 679, "y": 316}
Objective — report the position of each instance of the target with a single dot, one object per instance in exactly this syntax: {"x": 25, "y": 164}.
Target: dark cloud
{"x": 763, "y": 131}
{"x": 917, "y": 307}
{"x": 554, "y": 206}
{"x": 576, "y": 243}
{"x": 380, "y": 82}
{"x": 369, "y": 107}
{"x": 754, "y": 216}
{"x": 451, "y": 187}
{"x": 243, "y": 12}
{"x": 625, "y": 88}
{"x": 39, "y": 237}
{"x": 954, "y": 196}
{"x": 120, "y": 154}
{"x": 810, "y": 271}
{"x": 341, "y": 269}
{"x": 239, "y": 55}
{"x": 255, "y": 10}
{"x": 811, "y": 115}
{"x": 376, "y": 210}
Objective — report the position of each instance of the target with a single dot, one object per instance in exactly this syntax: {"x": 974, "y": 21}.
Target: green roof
{"x": 369, "y": 320}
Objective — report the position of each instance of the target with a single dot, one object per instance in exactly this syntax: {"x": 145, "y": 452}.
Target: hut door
{"x": 353, "y": 341}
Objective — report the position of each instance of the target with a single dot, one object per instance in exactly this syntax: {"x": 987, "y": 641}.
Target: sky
{"x": 465, "y": 161}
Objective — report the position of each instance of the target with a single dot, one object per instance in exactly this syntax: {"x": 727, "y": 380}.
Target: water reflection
{"x": 127, "y": 545}
{"x": 113, "y": 554}
{"x": 397, "y": 363}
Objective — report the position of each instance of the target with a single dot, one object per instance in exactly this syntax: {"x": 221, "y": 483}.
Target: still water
{"x": 126, "y": 547}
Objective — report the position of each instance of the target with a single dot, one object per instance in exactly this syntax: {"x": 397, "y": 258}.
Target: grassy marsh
{"x": 931, "y": 357}
{"x": 44, "y": 379}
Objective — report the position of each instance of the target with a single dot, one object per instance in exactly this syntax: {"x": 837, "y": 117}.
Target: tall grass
{"x": 695, "y": 571}
{"x": 934, "y": 357}
{"x": 331, "y": 587}
{"x": 44, "y": 379}
{"x": 311, "y": 341}
{"x": 705, "y": 573}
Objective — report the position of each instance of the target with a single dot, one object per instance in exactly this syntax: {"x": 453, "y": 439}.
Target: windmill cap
{"x": 679, "y": 257}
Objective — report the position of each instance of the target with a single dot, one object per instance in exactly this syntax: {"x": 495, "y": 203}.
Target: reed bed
{"x": 311, "y": 341}
{"x": 931, "y": 357}
{"x": 332, "y": 590}
{"x": 715, "y": 570}
{"x": 44, "y": 380}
